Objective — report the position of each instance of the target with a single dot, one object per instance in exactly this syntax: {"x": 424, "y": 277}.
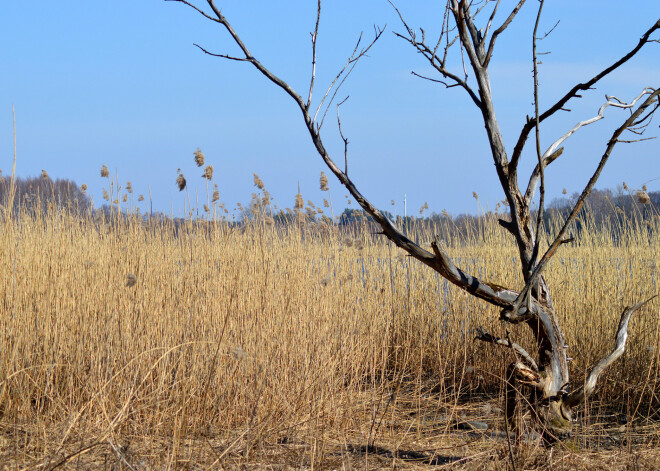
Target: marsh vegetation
{"x": 131, "y": 343}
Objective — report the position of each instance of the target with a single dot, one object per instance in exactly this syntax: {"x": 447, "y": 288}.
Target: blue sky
{"x": 120, "y": 83}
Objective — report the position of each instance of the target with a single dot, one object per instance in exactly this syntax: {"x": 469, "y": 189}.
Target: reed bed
{"x": 212, "y": 346}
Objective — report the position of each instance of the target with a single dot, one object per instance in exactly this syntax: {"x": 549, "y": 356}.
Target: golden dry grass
{"x": 214, "y": 347}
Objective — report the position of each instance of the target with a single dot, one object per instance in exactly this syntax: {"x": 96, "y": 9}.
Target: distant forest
{"x": 35, "y": 193}
{"x": 614, "y": 208}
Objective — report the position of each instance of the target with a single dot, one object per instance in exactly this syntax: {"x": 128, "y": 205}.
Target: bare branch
{"x": 536, "y": 173}
{"x": 549, "y": 32}
{"x": 552, "y": 152}
{"x": 573, "y": 92}
{"x": 494, "y": 294}
{"x": 579, "y": 395}
{"x": 443, "y": 82}
{"x": 472, "y": 29}
{"x": 351, "y": 61}
{"x": 500, "y": 30}
{"x": 464, "y": 24}
{"x": 341, "y": 134}
{"x": 490, "y": 19}
{"x": 224, "y": 56}
{"x": 539, "y": 213}
{"x": 220, "y": 18}
{"x": 199, "y": 10}
{"x": 578, "y": 205}
{"x": 314, "y": 35}
{"x": 437, "y": 63}
{"x": 486, "y": 337}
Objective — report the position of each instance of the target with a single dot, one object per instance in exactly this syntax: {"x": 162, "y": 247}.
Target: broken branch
{"x": 589, "y": 386}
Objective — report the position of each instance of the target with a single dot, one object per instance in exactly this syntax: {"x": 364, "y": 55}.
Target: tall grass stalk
{"x": 248, "y": 337}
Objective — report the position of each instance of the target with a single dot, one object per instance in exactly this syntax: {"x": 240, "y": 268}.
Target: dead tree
{"x": 545, "y": 375}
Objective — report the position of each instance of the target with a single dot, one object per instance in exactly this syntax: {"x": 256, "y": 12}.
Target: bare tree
{"x": 544, "y": 375}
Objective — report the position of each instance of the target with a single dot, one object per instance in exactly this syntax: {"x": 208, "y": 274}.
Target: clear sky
{"x": 120, "y": 83}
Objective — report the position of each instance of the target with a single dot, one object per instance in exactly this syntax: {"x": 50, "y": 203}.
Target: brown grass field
{"x": 128, "y": 346}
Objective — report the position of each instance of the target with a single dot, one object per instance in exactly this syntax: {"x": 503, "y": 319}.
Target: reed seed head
{"x": 125, "y": 198}
{"x": 206, "y": 208}
{"x": 83, "y": 187}
{"x": 104, "y": 172}
{"x": 325, "y": 203}
{"x": 208, "y": 172}
{"x": 475, "y": 195}
{"x": 643, "y": 197}
{"x": 141, "y": 198}
{"x": 181, "y": 182}
{"x": 644, "y": 188}
{"x": 257, "y": 182}
{"x": 299, "y": 202}
{"x": 625, "y": 187}
{"x": 216, "y": 195}
{"x": 324, "y": 182}
{"x": 105, "y": 195}
{"x": 199, "y": 157}
{"x": 129, "y": 187}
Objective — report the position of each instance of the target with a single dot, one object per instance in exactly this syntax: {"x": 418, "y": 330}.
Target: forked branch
{"x": 554, "y": 151}
{"x": 579, "y": 395}
{"x": 634, "y": 117}
{"x": 572, "y": 93}
{"x": 489, "y": 338}
{"x": 437, "y": 62}
{"x": 500, "y": 30}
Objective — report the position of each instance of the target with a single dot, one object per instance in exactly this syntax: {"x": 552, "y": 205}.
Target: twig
{"x": 484, "y": 336}
{"x": 341, "y": 134}
{"x": 314, "y": 35}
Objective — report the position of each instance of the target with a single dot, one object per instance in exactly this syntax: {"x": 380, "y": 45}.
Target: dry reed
{"x": 291, "y": 344}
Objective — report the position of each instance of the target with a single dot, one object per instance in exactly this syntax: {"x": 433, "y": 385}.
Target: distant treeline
{"x": 42, "y": 193}
{"x": 614, "y": 208}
